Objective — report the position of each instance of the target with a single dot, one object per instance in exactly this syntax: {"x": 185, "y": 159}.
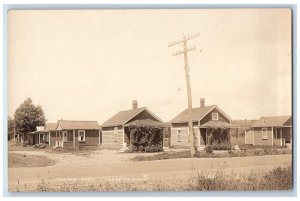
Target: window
{"x": 264, "y": 133}
{"x": 179, "y": 135}
{"x": 116, "y": 133}
{"x": 68, "y": 136}
{"x": 81, "y": 135}
{"x": 215, "y": 116}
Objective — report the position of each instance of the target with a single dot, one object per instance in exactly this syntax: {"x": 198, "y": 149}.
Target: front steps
{"x": 201, "y": 148}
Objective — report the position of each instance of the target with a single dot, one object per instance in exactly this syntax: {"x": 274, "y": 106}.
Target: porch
{"x": 217, "y": 134}
{"x": 66, "y": 139}
{"x": 143, "y": 132}
{"x": 282, "y": 136}
{"x": 38, "y": 137}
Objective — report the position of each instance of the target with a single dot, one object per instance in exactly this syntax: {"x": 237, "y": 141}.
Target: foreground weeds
{"x": 279, "y": 178}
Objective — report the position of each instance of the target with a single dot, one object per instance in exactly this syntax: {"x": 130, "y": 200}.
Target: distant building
{"x": 276, "y": 130}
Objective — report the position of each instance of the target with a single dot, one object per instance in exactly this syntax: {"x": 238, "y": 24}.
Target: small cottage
{"x": 115, "y": 134}
{"x": 68, "y": 134}
{"x": 210, "y": 123}
{"x": 276, "y": 130}
{"x": 77, "y": 134}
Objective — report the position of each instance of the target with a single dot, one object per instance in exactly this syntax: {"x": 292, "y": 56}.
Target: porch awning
{"x": 145, "y": 122}
{"x": 218, "y": 124}
{"x": 38, "y": 132}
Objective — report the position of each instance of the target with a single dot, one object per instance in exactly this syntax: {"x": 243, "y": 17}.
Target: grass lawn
{"x": 12, "y": 146}
{"x": 215, "y": 154}
{"x": 23, "y": 160}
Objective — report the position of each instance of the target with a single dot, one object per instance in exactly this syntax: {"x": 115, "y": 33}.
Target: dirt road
{"x": 100, "y": 167}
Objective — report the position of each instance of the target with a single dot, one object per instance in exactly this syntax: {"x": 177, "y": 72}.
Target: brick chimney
{"x": 202, "y": 102}
{"x": 134, "y": 104}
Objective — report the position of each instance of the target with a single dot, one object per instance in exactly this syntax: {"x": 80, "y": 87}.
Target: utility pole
{"x": 185, "y": 50}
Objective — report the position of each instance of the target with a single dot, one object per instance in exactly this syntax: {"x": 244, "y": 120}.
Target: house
{"x": 206, "y": 120}
{"x": 115, "y": 134}
{"x": 76, "y": 134}
{"x": 275, "y": 130}
{"x": 68, "y": 134}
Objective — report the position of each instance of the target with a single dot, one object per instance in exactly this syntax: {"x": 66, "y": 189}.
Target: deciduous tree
{"x": 10, "y": 128}
{"x": 27, "y": 117}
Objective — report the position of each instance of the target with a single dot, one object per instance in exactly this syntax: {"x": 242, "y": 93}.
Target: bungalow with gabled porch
{"x": 115, "y": 134}
{"x": 210, "y": 124}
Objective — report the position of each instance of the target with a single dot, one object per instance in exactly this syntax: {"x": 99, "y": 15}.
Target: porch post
{"x": 272, "y": 137}
{"x": 123, "y": 140}
{"x": 62, "y": 139}
{"x": 39, "y": 138}
{"x": 281, "y": 135}
{"x": 236, "y": 147}
{"x": 49, "y": 137}
{"x": 237, "y": 136}
{"x": 206, "y": 139}
{"x": 74, "y": 138}
{"x": 56, "y": 138}
{"x": 99, "y": 138}
{"x": 291, "y": 137}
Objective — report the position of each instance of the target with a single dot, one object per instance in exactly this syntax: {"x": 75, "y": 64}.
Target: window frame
{"x": 179, "y": 133}
{"x": 264, "y": 133}
{"x": 79, "y": 137}
{"x": 212, "y": 116}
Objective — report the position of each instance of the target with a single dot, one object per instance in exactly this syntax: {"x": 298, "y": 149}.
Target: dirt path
{"x": 100, "y": 170}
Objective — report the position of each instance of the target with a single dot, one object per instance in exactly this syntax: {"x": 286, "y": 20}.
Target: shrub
{"x": 141, "y": 148}
{"x": 279, "y": 178}
{"x": 209, "y": 149}
{"x": 221, "y": 145}
{"x": 145, "y": 138}
{"x": 276, "y": 179}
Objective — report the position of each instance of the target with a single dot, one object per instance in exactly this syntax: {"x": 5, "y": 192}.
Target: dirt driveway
{"x": 109, "y": 165}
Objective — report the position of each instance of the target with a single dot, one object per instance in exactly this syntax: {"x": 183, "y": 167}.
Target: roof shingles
{"x": 50, "y": 126}
{"x": 271, "y": 121}
{"x": 88, "y": 125}
{"x": 121, "y": 117}
{"x": 197, "y": 114}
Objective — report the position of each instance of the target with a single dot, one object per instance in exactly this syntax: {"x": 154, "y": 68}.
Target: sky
{"x": 91, "y": 64}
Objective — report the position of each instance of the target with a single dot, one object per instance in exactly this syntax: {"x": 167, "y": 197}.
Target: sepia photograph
{"x": 147, "y": 100}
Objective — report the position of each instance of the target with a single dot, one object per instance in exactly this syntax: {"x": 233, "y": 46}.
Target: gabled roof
{"x": 72, "y": 125}
{"x": 275, "y": 121}
{"x": 197, "y": 114}
{"x": 123, "y": 117}
{"x": 50, "y": 126}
